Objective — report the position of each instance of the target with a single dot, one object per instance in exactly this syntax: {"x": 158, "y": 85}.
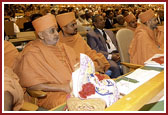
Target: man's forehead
{"x": 52, "y": 27}
{"x": 72, "y": 22}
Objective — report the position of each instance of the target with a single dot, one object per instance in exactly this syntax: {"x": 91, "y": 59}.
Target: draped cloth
{"x": 131, "y": 28}
{"x": 11, "y": 85}
{"x": 159, "y": 33}
{"x": 79, "y": 45}
{"x": 10, "y": 53}
{"x": 39, "y": 63}
{"x": 144, "y": 45}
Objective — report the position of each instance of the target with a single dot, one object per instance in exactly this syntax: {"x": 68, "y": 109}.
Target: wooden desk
{"x": 138, "y": 98}
{"x": 22, "y": 39}
{"x": 24, "y": 36}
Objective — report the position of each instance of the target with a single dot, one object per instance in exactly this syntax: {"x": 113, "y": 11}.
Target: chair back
{"x": 9, "y": 28}
{"x": 124, "y": 37}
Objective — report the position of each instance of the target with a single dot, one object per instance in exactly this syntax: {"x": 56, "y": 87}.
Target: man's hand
{"x": 116, "y": 57}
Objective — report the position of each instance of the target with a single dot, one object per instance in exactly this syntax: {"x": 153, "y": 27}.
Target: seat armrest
{"x": 36, "y": 94}
{"x": 28, "y": 107}
{"x": 130, "y": 65}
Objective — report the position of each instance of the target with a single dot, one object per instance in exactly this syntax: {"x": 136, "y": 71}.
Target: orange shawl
{"x": 160, "y": 36}
{"x": 144, "y": 45}
{"x": 37, "y": 64}
{"x": 11, "y": 84}
{"x": 10, "y": 53}
{"x": 79, "y": 45}
{"x": 131, "y": 28}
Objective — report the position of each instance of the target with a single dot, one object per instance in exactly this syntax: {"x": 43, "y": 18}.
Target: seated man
{"x": 44, "y": 64}
{"x": 104, "y": 41}
{"x": 109, "y": 23}
{"x": 13, "y": 92}
{"x": 70, "y": 37}
{"x": 146, "y": 41}
{"x": 131, "y": 21}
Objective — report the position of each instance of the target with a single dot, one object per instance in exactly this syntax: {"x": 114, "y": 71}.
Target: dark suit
{"x": 108, "y": 24}
{"x": 97, "y": 42}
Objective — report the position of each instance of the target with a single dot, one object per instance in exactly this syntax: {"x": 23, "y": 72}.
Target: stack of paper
{"x": 151, "y": 63}
{"x": 140, "y": 75}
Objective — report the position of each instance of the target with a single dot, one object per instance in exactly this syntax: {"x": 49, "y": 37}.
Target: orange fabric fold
{"x": 42, "y": 64}
{"x": 160, "y": 36}
{"x": 79, "y": 45}
{"x": 131, "y": 28}
{"x": 144, "y": 45}
{"x": 11, "y": 85}
{"x": 10, "y": 53}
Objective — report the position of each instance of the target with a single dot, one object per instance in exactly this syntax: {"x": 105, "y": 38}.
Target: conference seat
{"x": 9, "y": 29}
{"x": 124, "y": 37}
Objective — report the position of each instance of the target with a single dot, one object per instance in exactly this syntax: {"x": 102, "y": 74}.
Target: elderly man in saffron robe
{"x": 44, "y": 64}
{"x": 148, "y": 40}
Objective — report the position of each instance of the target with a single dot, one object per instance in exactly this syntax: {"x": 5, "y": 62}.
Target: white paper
{"x": 140, "y": 75}
{"x": 151, "y": 63}
{"x": 125, "y": 87}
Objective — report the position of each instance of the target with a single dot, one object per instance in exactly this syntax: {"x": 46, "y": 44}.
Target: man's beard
{"x": 155, "y": 26}
{"x": 74, "y": 33}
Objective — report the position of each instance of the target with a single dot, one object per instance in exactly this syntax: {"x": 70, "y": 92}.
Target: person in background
{"x": 47, "y": 65}
{"x": 69, "y": 36}
{"x": 28, "y": 25}
{"x": 104, "y": 41}
{"x": 131, "y": 21}
{"x": 120, "y": 21}
{"x": 147, "y": 41}
{"x": 109, "y": 21}
{"x": 13, "y": 19}
{"x": 53, "y": 12}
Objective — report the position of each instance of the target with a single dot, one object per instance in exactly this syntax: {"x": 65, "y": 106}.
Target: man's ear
{"x": 40, "y": 34}
{"x": 149, "y": 21}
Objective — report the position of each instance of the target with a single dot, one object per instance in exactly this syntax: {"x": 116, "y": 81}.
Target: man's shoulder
{"x": 109, "y": 32}
{"x": 141, "y": 28}
{"x": 32, "y": 46}
{"x": 93, "y": 33}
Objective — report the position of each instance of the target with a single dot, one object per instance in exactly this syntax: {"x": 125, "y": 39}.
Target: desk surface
{"x": 22, "y": 39}
{"x": 136, "y": 100}
{"x": 140, "y": 96}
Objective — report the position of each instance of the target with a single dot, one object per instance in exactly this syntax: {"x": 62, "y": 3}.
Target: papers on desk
{"x": 125, "y": 87}
{"x": 142, "y": 76}
{"x": 152, "y": 63}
